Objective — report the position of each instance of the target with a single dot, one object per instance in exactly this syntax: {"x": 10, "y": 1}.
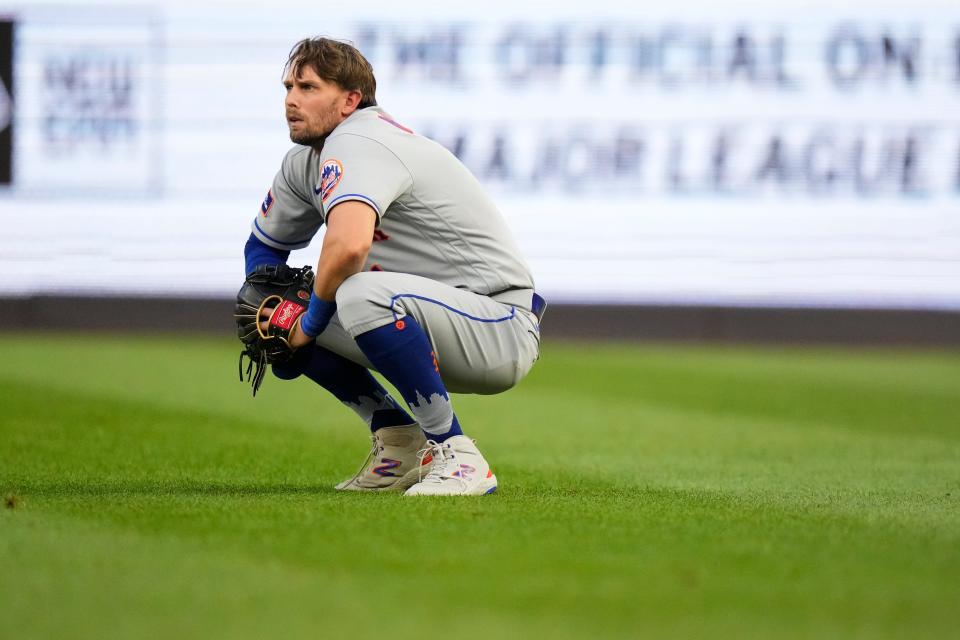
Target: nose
{"x": 291, "y": 99}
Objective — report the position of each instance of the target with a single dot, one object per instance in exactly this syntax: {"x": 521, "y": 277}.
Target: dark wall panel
{"x": 689, "y": 324}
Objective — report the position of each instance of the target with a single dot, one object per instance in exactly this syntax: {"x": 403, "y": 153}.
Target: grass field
{"x": 645, "y": 492}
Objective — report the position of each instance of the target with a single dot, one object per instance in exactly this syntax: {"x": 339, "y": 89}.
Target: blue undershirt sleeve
{"x": 256, "y": 253}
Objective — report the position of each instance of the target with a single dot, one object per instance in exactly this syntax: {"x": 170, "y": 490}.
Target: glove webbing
{"x": 257, "y": 372}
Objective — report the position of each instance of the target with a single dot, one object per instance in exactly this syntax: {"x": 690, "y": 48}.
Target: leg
{"x": 403, "y": 354}
{"x": 350, "y": 383}
{"x": 393, "y": 462}
{"x": 421, "y": 334}
{"x": 481, "y": 345}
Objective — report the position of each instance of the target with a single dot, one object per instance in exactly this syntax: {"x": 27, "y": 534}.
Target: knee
{"x": 287, "y": 370}
{"x": 361, "y": 298}
{"x": 356, "y": 289}
{"x": 295, "y": 366}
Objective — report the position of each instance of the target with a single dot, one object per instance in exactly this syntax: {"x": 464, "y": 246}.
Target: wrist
{"x": 317, "y": 316}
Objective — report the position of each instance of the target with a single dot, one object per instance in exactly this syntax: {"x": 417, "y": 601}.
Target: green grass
{"x": 645, "y": 492}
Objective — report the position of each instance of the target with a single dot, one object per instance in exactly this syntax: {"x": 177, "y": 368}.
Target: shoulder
{"x": 297, "y": 156}
{"x": 363, "y": 122}
{"x": 297, "y": 163}
{"x": 372, "y": 124}
{"x": 370, "y": 140}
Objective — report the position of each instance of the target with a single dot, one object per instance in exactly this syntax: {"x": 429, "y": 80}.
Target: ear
{"x": 351, "y": 103}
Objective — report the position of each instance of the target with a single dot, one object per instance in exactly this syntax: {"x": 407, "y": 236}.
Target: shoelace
{"x": 374, "y": 450}
{"x": 444, "y": 464}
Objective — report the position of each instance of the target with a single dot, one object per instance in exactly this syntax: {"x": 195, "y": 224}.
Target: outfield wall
{"x": 735, "y": 325}
{"x": 695, "y": 156}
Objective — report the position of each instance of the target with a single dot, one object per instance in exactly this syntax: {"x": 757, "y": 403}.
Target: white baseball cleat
{"x": 394, "y": 462}
{"x": 459, "y": 469}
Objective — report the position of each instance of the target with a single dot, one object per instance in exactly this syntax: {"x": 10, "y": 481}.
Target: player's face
{"x": 314, "y": 106}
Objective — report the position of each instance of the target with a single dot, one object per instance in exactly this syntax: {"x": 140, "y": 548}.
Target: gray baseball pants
{"x": 482, "y": 344}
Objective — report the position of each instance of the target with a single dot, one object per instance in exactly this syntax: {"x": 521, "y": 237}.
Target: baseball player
{"x": 419, "y": 277}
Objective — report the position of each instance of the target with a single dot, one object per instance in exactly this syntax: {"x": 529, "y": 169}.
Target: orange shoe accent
{"x": 427, "y": 459}
{"x": 400, "y": 325}
{"x": 489, "y": 473}
{"x": 436, "y": 366}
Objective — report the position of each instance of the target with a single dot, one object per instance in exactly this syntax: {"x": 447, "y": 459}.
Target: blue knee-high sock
{"x": 402, "y": 353}
{"x": 349, "y": 382}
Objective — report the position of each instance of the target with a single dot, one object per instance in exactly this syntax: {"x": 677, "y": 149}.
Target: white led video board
{"x": 748, "y": 154}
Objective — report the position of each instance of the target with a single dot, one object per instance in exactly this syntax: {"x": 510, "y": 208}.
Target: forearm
{"x": 345, "y": 246}
{"x": 338, "y": 261}
{"x": 344, "y": 251}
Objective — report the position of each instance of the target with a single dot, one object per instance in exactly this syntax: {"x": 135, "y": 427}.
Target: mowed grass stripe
{"x": 620, "y": 516}
{"x": 897, "y": 392}
{"x": 620, "y": 585}
{"x": 611, "y": 439}
{"x": 618, "y": 438}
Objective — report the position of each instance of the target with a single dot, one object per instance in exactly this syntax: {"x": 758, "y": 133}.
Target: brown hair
{"x": 338, "y": 62}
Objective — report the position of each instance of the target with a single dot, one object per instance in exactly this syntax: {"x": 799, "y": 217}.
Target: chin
{"x": 308, "y": 141}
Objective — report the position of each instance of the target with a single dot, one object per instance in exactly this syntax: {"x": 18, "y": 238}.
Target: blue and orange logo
{"x": 267, "y": 203}
{"x": 384, "y": 469}
{"x": 330, "y": 174}
{"x": 464, "y": 471}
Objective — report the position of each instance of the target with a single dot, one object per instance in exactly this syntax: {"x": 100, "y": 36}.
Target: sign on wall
{"x": 88, "y": 104}
{"x": 6, "y": 101}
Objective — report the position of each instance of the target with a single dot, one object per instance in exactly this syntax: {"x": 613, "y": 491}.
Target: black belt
{"x": 539, "y": 306}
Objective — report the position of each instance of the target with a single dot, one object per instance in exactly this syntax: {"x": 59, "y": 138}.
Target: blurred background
{"x": 747, "y": 170}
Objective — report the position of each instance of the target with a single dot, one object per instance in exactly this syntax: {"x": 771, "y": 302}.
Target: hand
{"x": 296, "y": 339}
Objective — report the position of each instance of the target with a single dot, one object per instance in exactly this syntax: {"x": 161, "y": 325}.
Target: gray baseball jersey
{"x": 433, "y": 217}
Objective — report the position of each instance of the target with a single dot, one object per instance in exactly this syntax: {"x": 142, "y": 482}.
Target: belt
{"x": 539, "y": 306}
{"x": 523, "y": 298}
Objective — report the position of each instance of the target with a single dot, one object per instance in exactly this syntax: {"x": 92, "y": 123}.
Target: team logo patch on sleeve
{"x": 330, "y": 174}
{"x": 267, "y": 203}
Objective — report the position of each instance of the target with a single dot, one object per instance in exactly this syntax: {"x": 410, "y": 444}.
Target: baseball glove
{"x": 286, "y": 289}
